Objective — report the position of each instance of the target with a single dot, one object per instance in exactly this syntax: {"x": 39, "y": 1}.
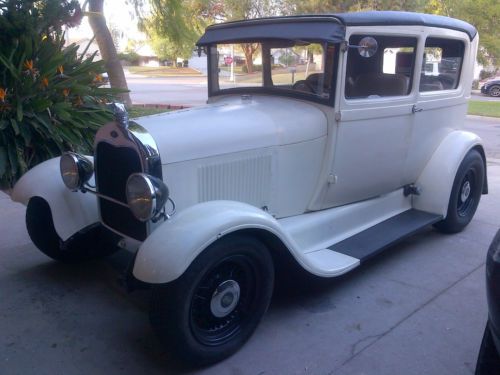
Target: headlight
{"x": 76, "y": 170}
{"x": 146, "y": 195}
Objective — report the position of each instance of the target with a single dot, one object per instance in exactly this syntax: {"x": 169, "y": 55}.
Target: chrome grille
{"x": 113, "y": 166}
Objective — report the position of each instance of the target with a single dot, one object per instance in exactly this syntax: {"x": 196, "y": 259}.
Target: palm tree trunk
{"x": 107, "y": 48}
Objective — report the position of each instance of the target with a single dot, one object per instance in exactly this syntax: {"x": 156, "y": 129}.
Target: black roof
{"x": 329, "y": 27}
{"x": 394, "y": 18}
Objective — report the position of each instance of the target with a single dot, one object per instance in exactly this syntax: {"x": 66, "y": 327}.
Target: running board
{"x": 374, "y": 240}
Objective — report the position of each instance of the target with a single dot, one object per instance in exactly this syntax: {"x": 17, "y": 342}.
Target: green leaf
{"x": 40, "y": 104}
{"x": 11, "y": 152}
{"x": 14, "y": 126}
{"x": 3, "y": 161}
{"x": 19, "y": 111}
{"x": 26, "y": 133}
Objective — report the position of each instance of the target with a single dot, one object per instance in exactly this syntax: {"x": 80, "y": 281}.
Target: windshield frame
{"x": 213, "y": 75}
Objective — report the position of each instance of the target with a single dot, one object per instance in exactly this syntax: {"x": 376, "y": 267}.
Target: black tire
{"x": 488, "y": 360}
{"x": 181, "y": 312}
{"x": 91, "y": 243}
{"x": 494, "y": 91}
{"x": 465, "y": 194}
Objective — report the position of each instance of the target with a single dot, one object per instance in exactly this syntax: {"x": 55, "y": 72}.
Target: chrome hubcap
{"x": 225, "y": 298}
{"x": 465, "y": 191}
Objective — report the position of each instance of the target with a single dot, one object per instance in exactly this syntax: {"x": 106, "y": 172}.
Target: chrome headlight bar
{"x": 146, "y": 195}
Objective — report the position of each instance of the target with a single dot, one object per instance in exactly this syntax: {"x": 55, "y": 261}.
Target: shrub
{"x": 132, "y": 57}
{"x": 51, "y": 99}
{"x": 256, "y": 68}
{"x": 485, "y": 74}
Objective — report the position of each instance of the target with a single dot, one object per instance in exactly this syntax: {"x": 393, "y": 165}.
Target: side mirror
{"x": 367, "y": 46}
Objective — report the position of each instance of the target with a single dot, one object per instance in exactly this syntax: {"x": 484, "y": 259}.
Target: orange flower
{"x": 66, "y": 92}
{"x": 3, "y": 94}
{"x": 60, "y": 69}
{"x": 28, "y": 64}
{"x": 98, "y": 78}
{"x": 78, "y": 101}
{"x": 45, "y": 82}
{"x": 30, "y": 69}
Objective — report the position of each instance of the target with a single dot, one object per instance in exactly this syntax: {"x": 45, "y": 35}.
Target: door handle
{"x": 415, "y": 109}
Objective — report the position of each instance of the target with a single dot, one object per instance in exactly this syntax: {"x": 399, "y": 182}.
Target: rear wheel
{"x": 465, "y": 194}
{"x": 91, "y": 243}
{"x": 214, "y": 307}
{"x": 494, "y": 91}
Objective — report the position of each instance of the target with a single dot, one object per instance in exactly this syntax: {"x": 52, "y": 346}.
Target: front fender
{"x": 436, "y": 180}
{"x": 71, "y": 211}
{"x": 171, "y": 248}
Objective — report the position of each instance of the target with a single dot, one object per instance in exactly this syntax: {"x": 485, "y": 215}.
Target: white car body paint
{"x": 311, "y": 174}
{"x": 437, "y": 178}
{"x": 71, "y": 212}
{"x": 171, "y": 248}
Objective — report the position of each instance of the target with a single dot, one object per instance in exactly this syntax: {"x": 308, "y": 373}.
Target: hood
{"x": 234, "y": 125}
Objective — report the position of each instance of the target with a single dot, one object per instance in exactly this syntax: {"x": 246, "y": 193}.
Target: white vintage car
{"x": 324, "y": 138}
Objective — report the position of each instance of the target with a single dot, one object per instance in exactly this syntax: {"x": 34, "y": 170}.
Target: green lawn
{"x": 480, "y": 108}
{"x": 138, "y": 111}
{"x": 162, "y": 71}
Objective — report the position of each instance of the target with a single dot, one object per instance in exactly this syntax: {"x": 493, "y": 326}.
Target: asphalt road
{"x": 417, "y": 309}
{"x": 187, "y": 91}
{"x": 190, "y": 91}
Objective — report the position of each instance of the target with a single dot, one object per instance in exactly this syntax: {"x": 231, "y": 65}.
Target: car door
{"x": 442, "y": 96}
{"x": 374, "y": 119}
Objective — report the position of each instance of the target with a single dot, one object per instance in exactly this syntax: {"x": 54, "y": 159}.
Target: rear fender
{"x": 71, "y": 211}
{"x": 436, "y": 180}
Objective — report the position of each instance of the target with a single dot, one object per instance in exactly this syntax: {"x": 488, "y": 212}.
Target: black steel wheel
{"x": 488, "y": 361}
{"x": 465, "y": 194}
{"x": 214, "y": 307}
{"x": 91, "y": 243}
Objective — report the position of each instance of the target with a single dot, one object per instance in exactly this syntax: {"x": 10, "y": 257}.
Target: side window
{"x": 441, "y": 64}
{"x": 388, "y": 72}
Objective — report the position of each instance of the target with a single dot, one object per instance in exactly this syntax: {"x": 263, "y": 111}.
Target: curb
{"x": 161, "y": 106}
{"x": 478, "y": 117}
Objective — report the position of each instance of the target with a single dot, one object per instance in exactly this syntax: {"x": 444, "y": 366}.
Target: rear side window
{"x": 441, "y": 64}
{"x": 388, "y": 72}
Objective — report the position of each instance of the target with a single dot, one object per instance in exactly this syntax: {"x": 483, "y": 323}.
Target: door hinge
{"x": 411, "y": 189}
{"x": 338, "y": 116}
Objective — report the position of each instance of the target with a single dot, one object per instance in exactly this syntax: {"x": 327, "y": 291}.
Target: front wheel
{"x": 465, "y": 194}
{"x": 214, "y": 307}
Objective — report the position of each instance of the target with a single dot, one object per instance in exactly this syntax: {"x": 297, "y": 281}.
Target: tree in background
{"x": 175, "y": 25}
{"x": 107, "y": 48}
{"x": 51, "y": 99}
{"x": 484, "y": 15}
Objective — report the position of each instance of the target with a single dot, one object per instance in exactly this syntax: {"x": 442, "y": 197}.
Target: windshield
{"x": 292, "y": 68}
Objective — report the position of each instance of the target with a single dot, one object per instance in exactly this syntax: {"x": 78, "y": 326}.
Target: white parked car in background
{"x": 329, "y": 161}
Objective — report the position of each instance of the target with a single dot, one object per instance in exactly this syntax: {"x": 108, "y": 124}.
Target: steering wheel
{"x": 304, "y": 86}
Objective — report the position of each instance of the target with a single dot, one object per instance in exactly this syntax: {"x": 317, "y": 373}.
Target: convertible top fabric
{"x": 330, "y": 28}
{"x": 393, "y": 18}
{"x": 326, "y": 28}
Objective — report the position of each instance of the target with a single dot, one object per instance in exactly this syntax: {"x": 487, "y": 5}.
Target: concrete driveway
{"x": 418, "y": 309}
